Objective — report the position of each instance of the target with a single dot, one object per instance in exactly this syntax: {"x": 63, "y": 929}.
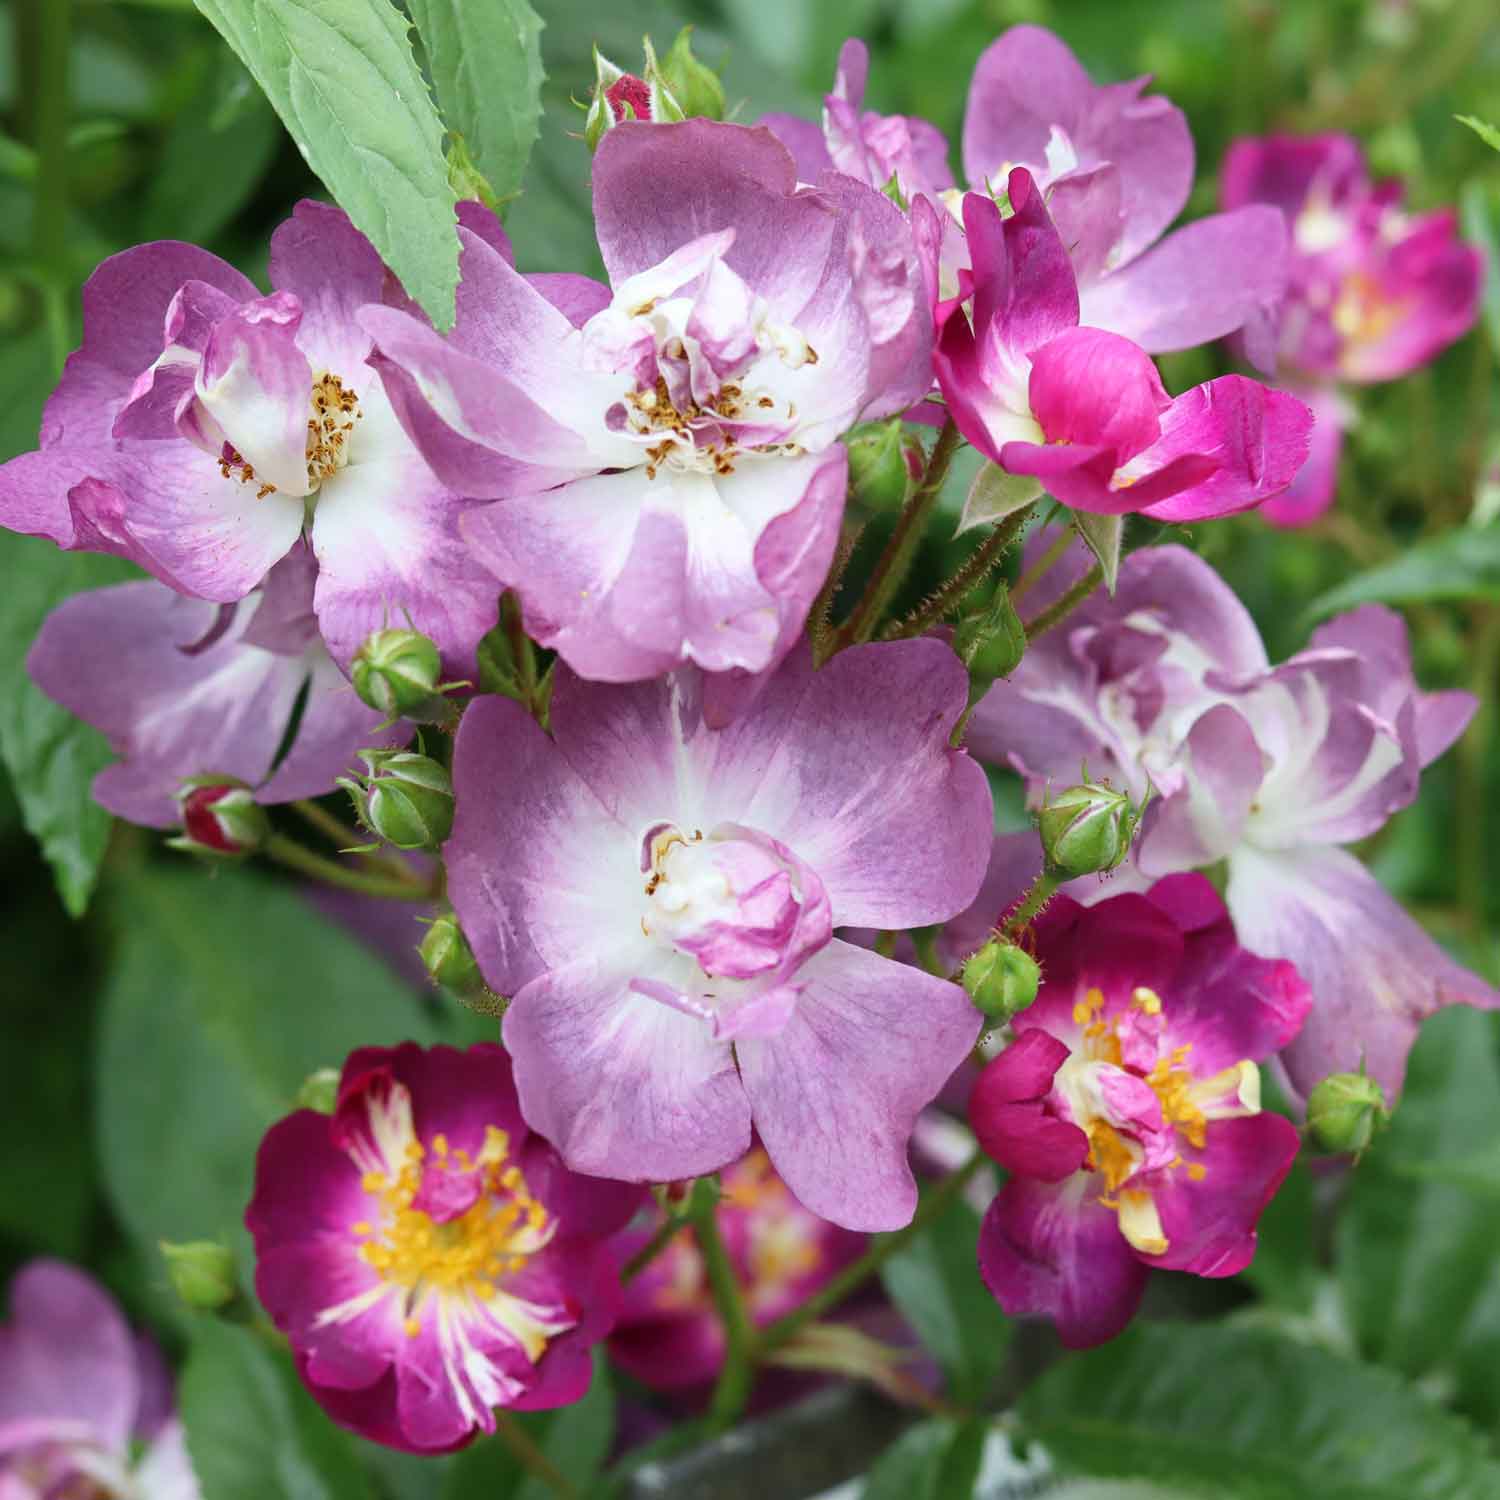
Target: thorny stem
{"x": 895, "y": 561}
{"x": 733, "y": 1389}
{"x": 1065, "y": 604}
{"x": 1043, "y": 888}
{"x": 854, "y": 1275}
{"x": 971, "y": 572}
{"x": 298, "y": 857}
{"x": 1041, "y": 567}
{"x": 530, "y": 1456}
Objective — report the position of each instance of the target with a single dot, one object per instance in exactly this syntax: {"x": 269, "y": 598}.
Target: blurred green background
{"x": 147, "y": 1044}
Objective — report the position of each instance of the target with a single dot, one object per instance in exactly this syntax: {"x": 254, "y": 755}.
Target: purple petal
{"x": 836, "y": 1093}
{"x": 577, "y": 298}
{"x": 1199, "y": 284}
{"x": 1089, "y": 387}
{"x": 1050, "y": 1250}
{"x": 1282, "y": 169}
{"x": 1374, "y": 974}
{"x": 804, "y": 140}
{"x": 1314, "y": 489}
{"x": 67, "y": 1355}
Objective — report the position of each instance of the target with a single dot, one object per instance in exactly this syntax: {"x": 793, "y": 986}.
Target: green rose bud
{"x": 693, "y": 84}
{"x": 1345, "y": 1111}
{"x": 883, "y": 464}
{"x": 407, "y": 799}
{"x": 1001, "y": 979}
{"x": 990, "y": 643}
{"x": 202, "y": 1274}
{"x": 1087, "y": 828}
{"x": 397, "y": 672}
{"x": 319, "y": 1091}
{"x": 449, "y": 959}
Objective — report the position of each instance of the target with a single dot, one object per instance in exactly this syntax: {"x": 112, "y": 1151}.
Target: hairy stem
{"x": 854, "y": 1275}
{"x": 298, "y": 857}
{"x": 895, "y": 561}
{"x": 1043, "y": 888}
{"x": 972, "y": 571}
{"x": 733, "y": 1389}
{"x": 1065, "y": 603}
{"x": 1041, "y": 567}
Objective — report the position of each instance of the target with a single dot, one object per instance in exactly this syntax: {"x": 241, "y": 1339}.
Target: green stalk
{"x": 733, "y": 1389}
{"x": 1042, "y": 890}
{"x": 531, "y": 1458}
{"x": 298, "y": 857}
{"x": 854, "y": 1275}
{"x": 668, "y": 1231}
{"x": 1038, "y": 570}
{"x": 1065, "y": 604}
{"x": 896, "y": 560}
{"x": 49, "y": 25}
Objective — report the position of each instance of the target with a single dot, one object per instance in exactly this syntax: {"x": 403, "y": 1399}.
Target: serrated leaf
{"x": 1412, "y": 1253}
{"x": 253, "y": 1432}
{"x": 934, "y": 1282}
{"x": 232, "y": 987}
{"x": 1489, "y": 134}
{"x": 1227, "y": 1414}
{"x": 1460, "y": 564}
{"x": 341, "y": 75}
{"x": 485, "y": 57}
{"x": 994, "y": 495}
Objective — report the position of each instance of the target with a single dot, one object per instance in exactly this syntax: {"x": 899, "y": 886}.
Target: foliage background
{"x": 148, "y": 1043}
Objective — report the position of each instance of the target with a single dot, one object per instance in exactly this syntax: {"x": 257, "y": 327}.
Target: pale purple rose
{"x": 1127, "y": 1108}
{"x": 657, "y": 897}
{"x": 202, "y": 424}
{"x": 184, "y": 688}
{"x": 1083, "y": 411}
{"x": 665, "y": 450}
{"x": 1373, "y": 291}
{"x": 85, "y": 1405}
{"x": 1166, "y": 686}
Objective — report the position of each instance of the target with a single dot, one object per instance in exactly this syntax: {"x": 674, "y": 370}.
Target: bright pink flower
{"x": 184, "y": 688}
{"x": 201, "y": 423}
{"x": 1083, "y": 410}
{"x": 85, "y": 1405}
{"x": 1373, "y": 291}
{"x": 669, "y": 1334}
{"x": 428, "y": 1257}
{"x": 1127, "y": 1110}
{"x": 658, "y": 898}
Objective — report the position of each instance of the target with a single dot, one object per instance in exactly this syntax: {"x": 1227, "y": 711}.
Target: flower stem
{"x": 530, "y": 1456}
{"x": 1065, "y": 604}
{"x": 297, "y": 857}
{"x": 1043, "y": 565}
{"x": 668, "y": 1231}
{"x": 733, "y": 1389}
{"x": 1043, "y": 888}
{"x": 971, "y": 572}
{"x": 50, "y": 27}
{"x": 895, "y": 561}
{"x": 854, "y": 1275}
{"x": 344, "y": 836}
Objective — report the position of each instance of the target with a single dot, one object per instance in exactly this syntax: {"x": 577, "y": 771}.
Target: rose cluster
{"x": 685, "y": 853}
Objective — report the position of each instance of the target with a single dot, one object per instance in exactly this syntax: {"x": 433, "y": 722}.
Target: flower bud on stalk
{"x": 990, "y": 643}
{"x": 1001, "y": 979}
{"x": 202, "y": 1274}
{"x": 220, "y": 819}
{"x": 407, "y": 799}
{"x": 319, "y": 1091}
{"x": 1088, "y": 828}
{"x": 1345, "y": 1111}
{"x": 397, "y": 672}
{"x": 693, "y": 84}
{"x": 620, "y": 96}
{"x": 448, "y": 958}
{"x": 883, "y": 464}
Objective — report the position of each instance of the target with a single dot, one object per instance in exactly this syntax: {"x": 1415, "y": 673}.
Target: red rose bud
{"x": 620, "y": 96}
{"x": 629, "y": 98}
{"x": 220, "y": 819}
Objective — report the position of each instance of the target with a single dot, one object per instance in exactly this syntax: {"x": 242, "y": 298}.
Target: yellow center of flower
{"x": 335, "y": 410}
{"x": 492, "y": 1239}
{"x": 1363, "y": 313}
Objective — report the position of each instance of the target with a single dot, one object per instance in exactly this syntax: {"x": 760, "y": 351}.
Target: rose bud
{"x": 220, "y": 819}
{"x": 1087, "y": 828}
{"x": 1001, "y": 979}
{"x": 1345, "y": 1111}
{"x": 397, "y": 672}
{"x": 407, "y": 799}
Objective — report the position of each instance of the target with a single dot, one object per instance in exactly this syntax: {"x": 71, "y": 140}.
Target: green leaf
{"x": 934, "y": 1282}
{"x": 576, "y": 1440}
{"x": 938, "y": 1459}
{"x": 1412, "y": 1253}
{"x": 486, "y": 62}
{"x": 1102, "y": 536}
{"x": 1225, "y": 1414}
{"x": 1486, "y": 132}
{"x": 51, "y": 756}
{"x": 234, "y": 989}
{"x": 1479, "y": 217}
{"x": 341, "y": 75}
{"x": 994, "y": 495}
{"x": 253, "y": 1432}
{"x": 1460, "y": 564}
